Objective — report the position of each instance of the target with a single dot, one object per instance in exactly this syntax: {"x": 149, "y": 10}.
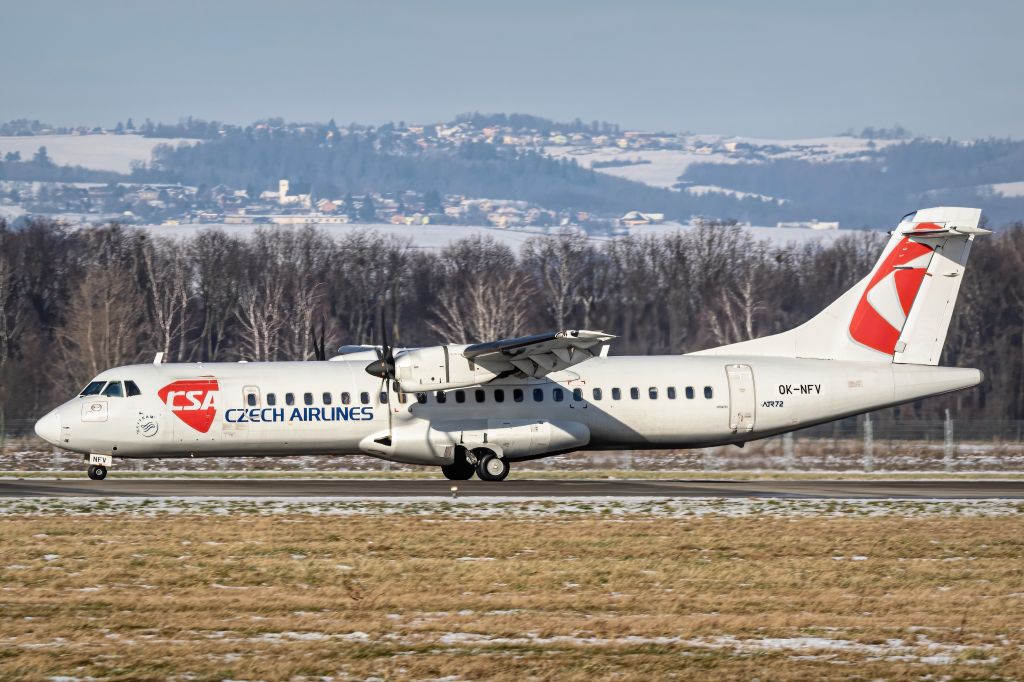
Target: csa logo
{"x": 147, "y": 426}
{"x": 192, "y": 401}
{"x": 882, "y": 310}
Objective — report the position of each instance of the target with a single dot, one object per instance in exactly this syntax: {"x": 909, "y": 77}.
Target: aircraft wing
{"x": 538, "y": 354}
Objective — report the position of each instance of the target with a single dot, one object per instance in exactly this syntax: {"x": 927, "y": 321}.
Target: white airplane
{"x": 477, "y": 408}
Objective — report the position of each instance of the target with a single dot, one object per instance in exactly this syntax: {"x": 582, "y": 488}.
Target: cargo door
{"x": 742, "y": 403}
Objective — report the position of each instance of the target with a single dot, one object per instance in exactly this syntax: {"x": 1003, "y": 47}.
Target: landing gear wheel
{"x": 460, "y": 469}
{"x": 97, "y": 472}
{"x": 490, "y": 467}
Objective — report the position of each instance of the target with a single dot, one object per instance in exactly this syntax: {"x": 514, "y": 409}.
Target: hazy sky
{"x": 779, "y": 68}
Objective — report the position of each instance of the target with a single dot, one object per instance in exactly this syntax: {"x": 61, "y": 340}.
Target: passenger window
{"x": 652, "y": 393}
{"x": 616, "y": 394}
{"x": 517, "y": 395}
{"x": 421, "y": 398}
{"x": 441, "y": 397}
{"x": 577, "y": 395}
{"x": 499, "y": 395}
{"x": 131, "y": 389}
{"x": 113, "y": 390}
{"x": 597, "y": 394}
{"x": 271, "y": 399}
{"x": 479, "y": 395}
{"x": 364, "y": 398}
{"x": 689, "y": 392}
{"x": 346, "y": 398}
{"x": 327, "y": 398}
{"x": 94, "y": 388}
{"x": 383, "y": 397}
{"x": 250, "y": 399}
{"x": 634, "y": 393}
{"x": 558, "y": 395}
{"x": 460, "y": 396}
{"x": 708, "y": 393}
{"x": 289, "y": 398}
{"x": 307, "y": 398}
{"x": 538, "y": 395}
{"x": 671, "y": 392}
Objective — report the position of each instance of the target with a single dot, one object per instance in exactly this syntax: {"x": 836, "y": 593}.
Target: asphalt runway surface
{"x": 394, "y": 488}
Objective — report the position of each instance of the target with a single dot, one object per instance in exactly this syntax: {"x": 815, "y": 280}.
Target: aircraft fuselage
{"x": 618, "y": 402}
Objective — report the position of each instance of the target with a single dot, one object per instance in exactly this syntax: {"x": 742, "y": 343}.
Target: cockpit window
{"x": 131, "y": 389}
{"x": 93, "y": 388}
{"x": 114, "y": 390}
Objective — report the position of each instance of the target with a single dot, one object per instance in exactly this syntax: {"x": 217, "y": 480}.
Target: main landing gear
{"x": 490, "y": 467}
{"x": 97, "y": 472}
{"x": 482, "y": 462}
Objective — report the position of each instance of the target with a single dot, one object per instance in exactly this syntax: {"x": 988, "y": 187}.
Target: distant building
{"x": 638, "y": 218}
{"x": 301, "y": 197}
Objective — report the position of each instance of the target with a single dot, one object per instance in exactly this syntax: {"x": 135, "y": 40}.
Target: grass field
{"x": 585, "y": 595}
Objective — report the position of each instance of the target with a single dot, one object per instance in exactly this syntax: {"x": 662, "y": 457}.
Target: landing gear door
{"x": 742, "y": 403}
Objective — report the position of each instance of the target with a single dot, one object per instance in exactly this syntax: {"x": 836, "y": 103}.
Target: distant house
{"x": 638, "y": 218}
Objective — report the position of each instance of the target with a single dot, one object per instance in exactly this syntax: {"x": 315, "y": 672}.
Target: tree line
{"x": 76, "y": 302}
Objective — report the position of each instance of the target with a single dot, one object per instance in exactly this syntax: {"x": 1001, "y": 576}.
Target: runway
{"x": 517, "y": 488}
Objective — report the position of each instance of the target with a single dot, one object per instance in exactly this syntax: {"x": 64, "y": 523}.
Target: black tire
{"x": 490, "y": 467}
{"x": 458, "y": 471}
{"x": 97, "y": 472}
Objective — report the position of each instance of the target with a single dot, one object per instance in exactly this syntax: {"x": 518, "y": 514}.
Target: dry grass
{"x": 253, "y": 597}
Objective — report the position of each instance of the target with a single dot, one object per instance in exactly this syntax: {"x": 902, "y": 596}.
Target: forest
{"x": 75, "y": 302}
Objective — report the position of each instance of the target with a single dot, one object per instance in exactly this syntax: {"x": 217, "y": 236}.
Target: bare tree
{"x": 483, "y": 308}
{"x": 261, "y": 315}
{"x": 105, "y": 327}
{"x": 168, "y": 277}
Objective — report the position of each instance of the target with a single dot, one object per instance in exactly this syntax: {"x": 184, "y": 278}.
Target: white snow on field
{"x": 819, "y": 147}
{"x": 436, "y": 237}
{"x": 664, "y": 169}
{"x": 776, "y": 236}
{"x": 1007, "y": 189}
{"x": 701, "y": 190}
{"x": 11, "y": 212}
{"x": 99, "y": 152}
{"x": 666, "y": 165}
{"x": 427, "y": 238}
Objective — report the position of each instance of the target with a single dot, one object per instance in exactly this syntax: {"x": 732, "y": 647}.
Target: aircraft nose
{"x": 48, "y": 428}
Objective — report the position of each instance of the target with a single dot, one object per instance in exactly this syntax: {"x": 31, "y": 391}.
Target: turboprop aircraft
{"x": 478, "y": 408}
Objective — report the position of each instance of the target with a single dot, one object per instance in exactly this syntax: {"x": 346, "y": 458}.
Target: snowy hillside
{"x": 662, "y": 167}
{"x": 98, "y": 152}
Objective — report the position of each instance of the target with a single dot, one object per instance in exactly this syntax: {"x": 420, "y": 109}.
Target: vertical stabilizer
{"x": 901, "y": 311}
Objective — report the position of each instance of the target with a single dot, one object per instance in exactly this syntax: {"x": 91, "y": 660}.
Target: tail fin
{"x": 901, "y": 311}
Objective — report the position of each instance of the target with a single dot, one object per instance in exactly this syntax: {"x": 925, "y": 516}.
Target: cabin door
{"x": 742, "y": 402}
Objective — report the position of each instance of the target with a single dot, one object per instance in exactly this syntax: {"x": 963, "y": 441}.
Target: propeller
{"x": 384, "y": 367}
{"x": 319, "y": 351}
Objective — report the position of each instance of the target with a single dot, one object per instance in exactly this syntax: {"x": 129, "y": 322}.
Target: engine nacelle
{"x": 437, "y": 368}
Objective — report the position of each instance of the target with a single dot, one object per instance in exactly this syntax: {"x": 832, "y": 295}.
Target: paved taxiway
{"x": 263, "y": 487}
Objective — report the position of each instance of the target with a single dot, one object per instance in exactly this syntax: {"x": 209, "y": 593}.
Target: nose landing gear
{"x": 98, "y": 466}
